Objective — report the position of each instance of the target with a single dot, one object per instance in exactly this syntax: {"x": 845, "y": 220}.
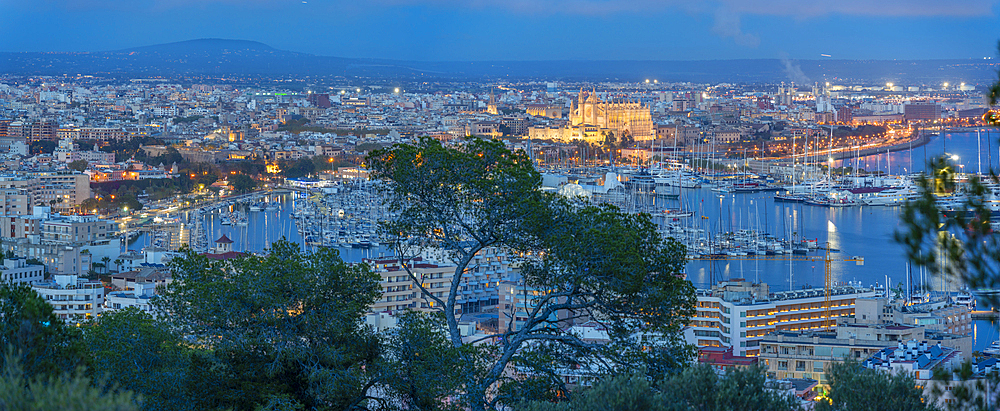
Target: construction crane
{"x": 827, "y": 260}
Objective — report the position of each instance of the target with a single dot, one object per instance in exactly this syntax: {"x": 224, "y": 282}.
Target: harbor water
{"x": 859, "y": 231}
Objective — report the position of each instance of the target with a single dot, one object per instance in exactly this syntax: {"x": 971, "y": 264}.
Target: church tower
{"x": 492, "y": 106}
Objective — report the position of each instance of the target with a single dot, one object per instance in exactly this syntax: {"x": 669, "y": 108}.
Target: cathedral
{"x": 619, "y": 116}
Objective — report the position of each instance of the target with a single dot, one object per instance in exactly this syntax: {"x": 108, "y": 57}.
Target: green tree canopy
{"x": 581, "y": 263}
{"x": 78, "y": 165}
{"x": 853, "y": 388}
{"x": 281, "y": 329}
{"x": 242, "y": 183}
{"x": 137, "y": 353}
{"x": 21, "y": 391}
{"x": 699, "y": 388}
{"x": 43, "y": 344}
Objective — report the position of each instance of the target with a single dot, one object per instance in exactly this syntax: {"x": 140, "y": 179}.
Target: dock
{"x": 985, "y": 315}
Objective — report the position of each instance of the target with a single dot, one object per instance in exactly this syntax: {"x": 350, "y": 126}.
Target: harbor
{"x": 748, "y": 233}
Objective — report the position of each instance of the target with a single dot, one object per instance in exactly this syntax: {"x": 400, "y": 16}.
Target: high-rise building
{"x": 738, "y": 313}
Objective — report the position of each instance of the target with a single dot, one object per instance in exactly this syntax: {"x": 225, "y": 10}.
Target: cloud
{"x": 727, "y": 24}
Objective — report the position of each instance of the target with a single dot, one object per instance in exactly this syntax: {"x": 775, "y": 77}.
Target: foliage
{"x": 993, "y": 96}
{"x": 298, "y": 168}
{"x": 188, "y": 119}
{"x": 626, "y": 392}
{"x": 968, "y": 391}
{"x": 281, "y": 329}
{"x": 137, "y": 353}
{"x": 242, "y": 183}
{"x": 44, "y": 344}
{"x": 956, "y": 244}
{"x": 586, "y": 263}
{"x": 367, "y": 147}
{"x": 461, "y": 199}
{"x": 855, "y": 388}
{"x": 112, "y": 202}
{"x": 21, "y": 391}
{"x": 701, "y": 388}
{"x": 78, "y": 165}
{"x": 41, "y": 147}
{"x": 697, "y": 388}
{"x": 423, "y": 369}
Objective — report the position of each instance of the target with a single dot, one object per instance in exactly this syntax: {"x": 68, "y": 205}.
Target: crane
{"x": 827, "y": 260}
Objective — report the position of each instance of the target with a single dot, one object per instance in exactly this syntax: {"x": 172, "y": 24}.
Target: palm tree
{"x": 105, "y": 260}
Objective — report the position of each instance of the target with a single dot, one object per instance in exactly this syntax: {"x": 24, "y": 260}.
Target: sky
{"x": 450, "y": 30}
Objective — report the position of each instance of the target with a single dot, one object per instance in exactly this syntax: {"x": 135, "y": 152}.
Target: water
{"x": 970, "y": 155}
{"x": 862, "y": 231}
{"x": 263, "y": 228}
{"x": 857, "y": 231}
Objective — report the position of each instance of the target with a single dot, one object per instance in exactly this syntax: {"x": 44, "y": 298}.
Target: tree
{"x": 78, "y": 165}
{"x": 462, "y": 200}
{"x": 281, "y": 329}
{"x": 41, "y": 147}
{"x": 43, "y": 344}
{"x": 423, "y": 370}
{"x": 137, "y": 353}
{"x": 586, "y": 263}
{"x": 959, "y": 388}
{"x": 19, "y": 390}
{"x": 701, "y": 388}
{"x": 697, "y": 388}
{"x": 855, "y": 388}
{"x": 242, "y": 183}
{"x": 106, "y": 260}
{"x": 626, "y": 392}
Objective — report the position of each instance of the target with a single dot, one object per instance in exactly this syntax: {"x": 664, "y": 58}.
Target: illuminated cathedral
{"x": 619, "y": 116}
{"x": 591, "y": 118}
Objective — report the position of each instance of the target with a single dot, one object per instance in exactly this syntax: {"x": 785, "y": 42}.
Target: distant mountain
{"x": 204, "y": 46}
{"x": 244, "y": 57}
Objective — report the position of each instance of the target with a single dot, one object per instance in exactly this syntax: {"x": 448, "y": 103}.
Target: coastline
{"x": 903, "y": 146}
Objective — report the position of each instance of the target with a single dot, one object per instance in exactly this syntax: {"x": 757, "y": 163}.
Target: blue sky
{"x": 522, "y": 29}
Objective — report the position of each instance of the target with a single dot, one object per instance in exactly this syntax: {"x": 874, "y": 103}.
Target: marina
{"x": 753, "y": 234}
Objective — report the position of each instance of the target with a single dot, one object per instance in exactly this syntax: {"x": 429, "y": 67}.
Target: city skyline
{"x": 445, "y": 30}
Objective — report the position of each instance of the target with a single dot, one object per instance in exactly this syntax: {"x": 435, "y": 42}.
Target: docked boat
{"x": 790, "y": 198}
{"x": 966, "y": 299}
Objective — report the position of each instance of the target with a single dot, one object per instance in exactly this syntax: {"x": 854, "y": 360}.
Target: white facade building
{"x": 72, "y": 298}
{"x": 18, "y": 271}
{"x": 138, "y": 295}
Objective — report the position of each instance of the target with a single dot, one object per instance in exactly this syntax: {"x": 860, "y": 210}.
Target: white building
{"x": 18, "y": 271}
{"x": 72, "y": 298}
{"x": 738, "y": 313}
{"x": 138, "y": 295}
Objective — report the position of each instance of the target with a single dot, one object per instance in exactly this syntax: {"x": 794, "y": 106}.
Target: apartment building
{"x": 790, "y": 354}
{"x": 18, "y": 271}
{"x": 15, "y": 201}
{"x": 399, "y": 292}
{"x": 62, "y": 189}
{"x": 913, "y": 357}
{"x": 77, "y": 229}
{"x": 738, "y": 313}
{"x": 72, "y": 298}
{"x": 941, "y": 315}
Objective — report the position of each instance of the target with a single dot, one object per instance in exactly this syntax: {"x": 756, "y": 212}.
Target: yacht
{"x": 891, "y": 197}
{"x": 966, "y": 299}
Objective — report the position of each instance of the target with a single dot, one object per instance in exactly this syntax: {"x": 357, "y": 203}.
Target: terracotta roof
{"x": 224, "y": 240}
